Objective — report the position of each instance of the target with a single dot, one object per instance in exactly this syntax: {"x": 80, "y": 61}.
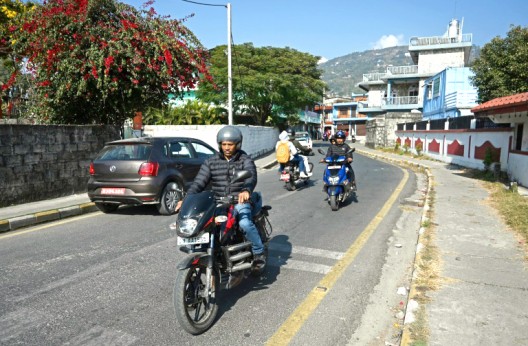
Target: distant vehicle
{"x": 146, "y": 170}
{"x": 304, "y": 138}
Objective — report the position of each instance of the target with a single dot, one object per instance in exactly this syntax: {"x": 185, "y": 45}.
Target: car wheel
{"x": 171, "y": 195}
{"x": 106, "y": 207}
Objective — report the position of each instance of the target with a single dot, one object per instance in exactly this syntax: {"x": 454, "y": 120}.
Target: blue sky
{"x": 333, "y": 28}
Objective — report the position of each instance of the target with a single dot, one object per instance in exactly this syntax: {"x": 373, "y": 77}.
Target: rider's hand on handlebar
{"x": 349, "y": 159}
{"x": 243, "y": 197}
{"x": 178, "y": 205}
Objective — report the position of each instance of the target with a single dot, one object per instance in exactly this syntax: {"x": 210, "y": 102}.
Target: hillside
{"x": 343, "y": 73}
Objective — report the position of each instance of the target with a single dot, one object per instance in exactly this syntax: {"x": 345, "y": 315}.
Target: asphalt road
{"x": 106, "y": 279}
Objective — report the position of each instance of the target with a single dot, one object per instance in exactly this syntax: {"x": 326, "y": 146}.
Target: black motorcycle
{"x": 291, "y": 175}
{"x": 219, "y": 256}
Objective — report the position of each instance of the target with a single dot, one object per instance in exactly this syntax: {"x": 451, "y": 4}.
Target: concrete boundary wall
{"x": 40, "y": 162}
{"x": 514, "y": 163}
{"x": 258, "y": 140}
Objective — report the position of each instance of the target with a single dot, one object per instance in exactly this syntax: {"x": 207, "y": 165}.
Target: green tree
{"x": 99, "y": 61}
{"x": 267, "y": 81}
{"x": 502, "y": 67}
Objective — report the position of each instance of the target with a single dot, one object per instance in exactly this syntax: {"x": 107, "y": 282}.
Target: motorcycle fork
{"x": 209, "y": 269}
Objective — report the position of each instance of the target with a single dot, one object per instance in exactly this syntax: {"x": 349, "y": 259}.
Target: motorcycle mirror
{"x": 320, "y": 151}
{"x": 240, "y": 175}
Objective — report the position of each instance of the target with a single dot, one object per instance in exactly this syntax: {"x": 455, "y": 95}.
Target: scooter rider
{"x": 219, "y": 169}
{"x": 340, "y": 148}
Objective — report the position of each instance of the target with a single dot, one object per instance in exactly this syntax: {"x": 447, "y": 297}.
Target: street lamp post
{"x": 229, "y": 74}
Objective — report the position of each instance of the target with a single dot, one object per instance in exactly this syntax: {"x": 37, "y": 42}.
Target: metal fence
{"x": 458, "y": 123}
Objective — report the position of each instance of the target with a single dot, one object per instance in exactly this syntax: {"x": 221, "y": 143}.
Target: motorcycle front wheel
{"x": 334, "y": 203}
{"x": 194, "y": 311}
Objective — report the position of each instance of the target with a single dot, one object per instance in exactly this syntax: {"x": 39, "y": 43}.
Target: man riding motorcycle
{"x": 340, "y": 148}
{"x": 218, "y": 170}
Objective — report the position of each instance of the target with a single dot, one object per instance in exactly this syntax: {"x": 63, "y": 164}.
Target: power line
{"x": 201, "y": 3}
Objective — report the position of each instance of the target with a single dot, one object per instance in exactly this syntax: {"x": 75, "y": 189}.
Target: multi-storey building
{"x": 396, "y": 95}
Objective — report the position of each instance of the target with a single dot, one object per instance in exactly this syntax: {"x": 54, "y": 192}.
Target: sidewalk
{"x": 483, "y": 296}
{"x": 29, "y": 214}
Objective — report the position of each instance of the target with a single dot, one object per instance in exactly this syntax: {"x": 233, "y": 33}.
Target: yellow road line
{"x": 291, "y": 326}
{"x": 48, "y": 225}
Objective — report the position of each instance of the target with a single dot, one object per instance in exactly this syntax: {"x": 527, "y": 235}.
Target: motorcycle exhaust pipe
{"x": 241, "y": 266}
{"x": 238, "y": 247}
{"x": 240, "y": 256}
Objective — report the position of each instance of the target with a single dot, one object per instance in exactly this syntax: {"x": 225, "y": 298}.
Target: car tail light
{"x": 149, "y": 169}
{"x": 92, "y": 169}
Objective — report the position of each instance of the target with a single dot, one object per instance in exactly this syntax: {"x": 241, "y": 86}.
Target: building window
{"x": 436, "y": 87}
{"x": 343, "y": 111}
{"x": 413, "y": 90}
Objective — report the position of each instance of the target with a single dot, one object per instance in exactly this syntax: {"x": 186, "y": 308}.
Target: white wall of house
{"x": 435, "y": 61}
{"x": 375, "y": 95}
{"x": 258, "y": 140}
{"x": 518, "y": 168}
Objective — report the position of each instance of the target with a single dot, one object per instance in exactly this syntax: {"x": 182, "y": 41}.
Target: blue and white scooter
{"x": 337, "y": 184}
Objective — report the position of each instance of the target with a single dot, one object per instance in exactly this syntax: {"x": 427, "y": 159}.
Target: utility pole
{"x": 229, "y": 74}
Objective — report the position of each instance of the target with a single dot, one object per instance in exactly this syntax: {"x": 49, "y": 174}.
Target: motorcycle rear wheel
{"x": 193, "y": 312}
{"x": 290, "y": 185}
{"x": 334, "y": 203}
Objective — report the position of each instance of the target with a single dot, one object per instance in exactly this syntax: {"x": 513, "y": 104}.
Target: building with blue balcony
{"x": 397, "y": 94}
{"x": 449, "y": 94}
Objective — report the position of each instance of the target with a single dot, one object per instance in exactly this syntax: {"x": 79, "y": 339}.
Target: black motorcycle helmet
{"x": 340, "y": 134}
{"x": 229, "y": 134}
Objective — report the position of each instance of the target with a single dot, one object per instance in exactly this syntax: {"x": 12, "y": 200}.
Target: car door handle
{"x": 179, "y": 165}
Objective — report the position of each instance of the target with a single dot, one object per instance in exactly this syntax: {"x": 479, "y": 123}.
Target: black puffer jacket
{"x": 218, "y": 171}
{"x": 340, "y": 150}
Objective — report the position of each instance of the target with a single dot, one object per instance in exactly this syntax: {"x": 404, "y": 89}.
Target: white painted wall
{"x": 518, "y": 169}
{"x": 516, "y": 165}
{"x": 258, "y": 140}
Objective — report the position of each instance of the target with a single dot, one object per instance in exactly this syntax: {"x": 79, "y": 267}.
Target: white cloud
{"x": 322, "y": 60}
{"x": 389, "y": 41}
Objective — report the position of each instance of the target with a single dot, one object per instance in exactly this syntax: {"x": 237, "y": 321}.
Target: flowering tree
{"x": 100, "y": 61}
{"x": 11, "y": 12}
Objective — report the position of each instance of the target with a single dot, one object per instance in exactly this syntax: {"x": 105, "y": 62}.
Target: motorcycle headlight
{"x": 187, "y": 226}
{"x": 333, "y": 180}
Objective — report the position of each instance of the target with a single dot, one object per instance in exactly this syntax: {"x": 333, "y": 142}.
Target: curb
{"x": 270, "y": 164}
{"x": 14, "y": 223}
{"x": 411, "y": 305}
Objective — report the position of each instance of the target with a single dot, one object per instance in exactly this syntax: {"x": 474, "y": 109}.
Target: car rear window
{"x": 125, "y": 152}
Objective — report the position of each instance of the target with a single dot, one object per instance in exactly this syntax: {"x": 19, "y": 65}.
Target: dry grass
{"x": 428, "y": 266}
{"x": 513, "y": 209}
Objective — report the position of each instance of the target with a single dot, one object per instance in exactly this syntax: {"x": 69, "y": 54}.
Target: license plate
{"x": 204, "y": 238}
{"x": 113, "y": 191}
{"x": 285, "y": 177}
{"x": 334, "y": 167}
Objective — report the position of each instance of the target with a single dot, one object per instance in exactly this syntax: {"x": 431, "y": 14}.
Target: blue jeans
{"x": 296, "y": 158}
{"x": 300, "y": 160}
{"x": 245, "y": 213}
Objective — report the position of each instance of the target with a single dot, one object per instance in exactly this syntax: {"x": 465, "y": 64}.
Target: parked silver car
{"x": 147, "y": 170}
